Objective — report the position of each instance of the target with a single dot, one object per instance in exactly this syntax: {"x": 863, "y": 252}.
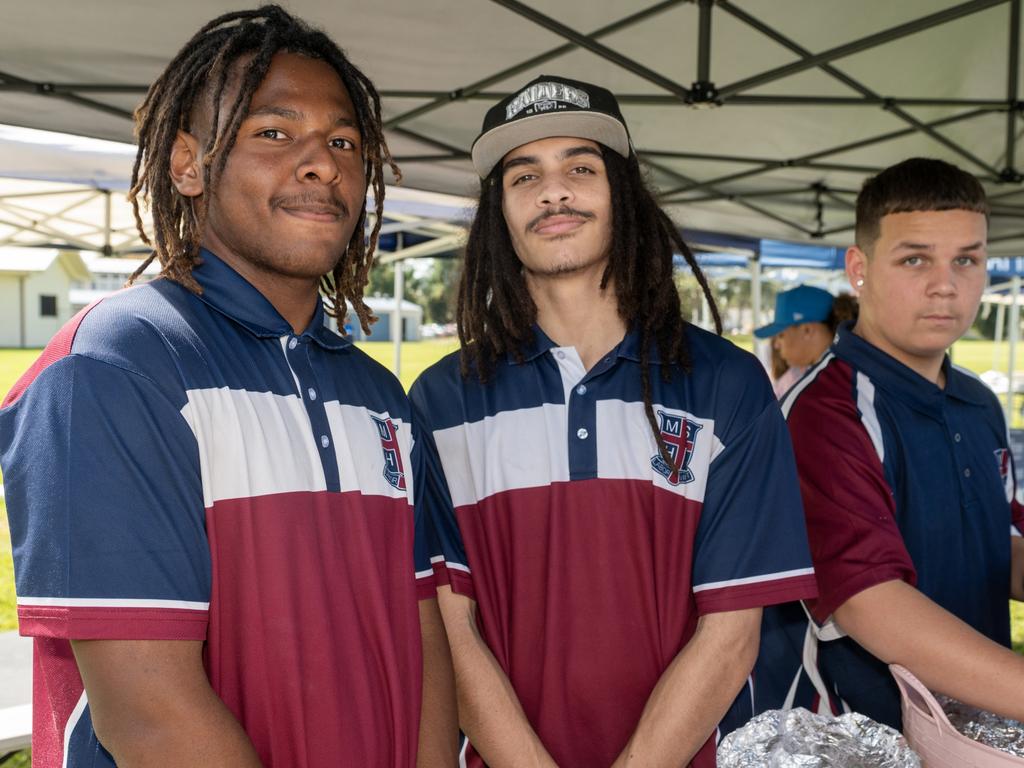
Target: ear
{"x": 186, "y": 166}
{"x": 856, "y": 267}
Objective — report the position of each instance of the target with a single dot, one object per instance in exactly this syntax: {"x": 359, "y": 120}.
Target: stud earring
{"x": 860, "y": 282}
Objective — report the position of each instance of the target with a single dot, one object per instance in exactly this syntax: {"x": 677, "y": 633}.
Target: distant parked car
{"x": 431, "y": 331}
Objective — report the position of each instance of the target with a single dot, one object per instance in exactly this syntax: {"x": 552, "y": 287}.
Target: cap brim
{"x": 490, "y": 147}
{"x": 767, "y": 331}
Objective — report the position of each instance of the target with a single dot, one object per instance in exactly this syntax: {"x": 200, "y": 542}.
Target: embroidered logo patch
{"x": 544, "y": 97}
{"x": 680, "y": 435}
{"x": 394, "y": 472}
{"x": 1003, "y": 462}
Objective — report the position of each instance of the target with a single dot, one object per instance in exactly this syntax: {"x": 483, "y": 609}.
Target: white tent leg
{"x": 396, "y": 316}
{"x": 1000, "y": 328}
{"x": 755, "y": 302}
{"x": 1013, "y": 336}
{"x": 108, "y": 227}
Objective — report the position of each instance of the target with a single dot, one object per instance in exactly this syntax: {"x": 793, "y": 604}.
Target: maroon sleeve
{"x": 850, "y": 511}
{"x": 1017, "y": 515}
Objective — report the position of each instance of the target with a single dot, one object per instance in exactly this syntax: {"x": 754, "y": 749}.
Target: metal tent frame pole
{"x": 1014, "y": 335}
{"x": 396, "y": 314}
{"x": 755, "y": 300}
{"x": 701, "y": 93}
{"x": 1000, "y": 330}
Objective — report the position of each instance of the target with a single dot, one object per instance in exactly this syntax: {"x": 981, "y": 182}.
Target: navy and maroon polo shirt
{"x": 182, "y": 466}
{"x": 901, "y": 479}
{"x": 591, "y": 558}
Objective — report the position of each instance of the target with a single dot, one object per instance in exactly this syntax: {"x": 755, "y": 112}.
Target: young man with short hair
{"x": 613, "y": 488}
{"x": 905, "y": 470}
{"x": 209, "y": 491}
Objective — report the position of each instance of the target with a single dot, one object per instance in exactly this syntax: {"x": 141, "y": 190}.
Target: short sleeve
{"x": 1010, "y": 482}
{"x": 105, "y": 506}
{"x": 426, "y": 548}
{"x": 851, "y": 514}
{"x": 434, "y": 503}
{"x": 751, "y": 546}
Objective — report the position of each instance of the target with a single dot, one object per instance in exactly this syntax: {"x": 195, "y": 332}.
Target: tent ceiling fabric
{"x": 780, "y": 153}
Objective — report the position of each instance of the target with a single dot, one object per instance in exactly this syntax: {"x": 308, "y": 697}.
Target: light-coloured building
{"x": 35, "y": 286}
{"x": 108, "y": 274}
{"x": 384, "y": 307}
{"x": 41, "y": 288}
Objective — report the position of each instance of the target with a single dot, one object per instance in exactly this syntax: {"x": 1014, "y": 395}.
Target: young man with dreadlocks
{"x": 613, "y": 489}
{"x": 209, "y": 491}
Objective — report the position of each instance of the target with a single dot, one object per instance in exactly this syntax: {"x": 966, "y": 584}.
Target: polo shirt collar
{"x": 226, "y": 291}
{"x": 908, "y": 386}
{"x": 534, "y": 347}
{"x": 958, "y": 385}
{"x": 628, "y": 348}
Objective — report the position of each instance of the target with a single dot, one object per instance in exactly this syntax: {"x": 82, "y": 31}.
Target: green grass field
{"x": 8, "y": 618}
{"x": 417, "y": 356}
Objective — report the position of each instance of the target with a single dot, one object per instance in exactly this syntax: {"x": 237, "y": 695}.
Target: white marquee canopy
{"x": 760, "y": 118}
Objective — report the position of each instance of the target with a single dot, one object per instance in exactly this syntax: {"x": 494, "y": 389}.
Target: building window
{"x": 47, "y": 306}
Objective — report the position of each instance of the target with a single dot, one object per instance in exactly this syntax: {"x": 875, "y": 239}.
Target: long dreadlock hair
{"x": 203, "y": 67}
{"x": 496, "y": 313}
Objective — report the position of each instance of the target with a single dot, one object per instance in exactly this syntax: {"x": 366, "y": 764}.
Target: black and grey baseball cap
{"x": 546, "y": 107}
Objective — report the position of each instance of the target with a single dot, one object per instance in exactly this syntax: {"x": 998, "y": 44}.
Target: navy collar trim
{"x": 534, "y": 348}
{"x": 906, "y": 384}
{"x": 628, "y": 348}
{"x": 226, "y": 291}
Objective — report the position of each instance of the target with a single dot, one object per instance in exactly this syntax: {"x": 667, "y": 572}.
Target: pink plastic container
{"x": 930, "y": 734}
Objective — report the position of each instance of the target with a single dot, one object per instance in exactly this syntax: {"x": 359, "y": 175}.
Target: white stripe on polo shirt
{"x": 103, "y": 602}
{"x": 868, "y": 415}
{"x": 265, "y": 445}
{"x": 506, "y": 452}
{"x": 628, "y": 446}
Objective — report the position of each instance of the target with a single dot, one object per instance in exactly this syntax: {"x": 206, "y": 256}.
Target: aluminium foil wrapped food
{"x": 797, "y": 738}
{"x": 984, "y": 727}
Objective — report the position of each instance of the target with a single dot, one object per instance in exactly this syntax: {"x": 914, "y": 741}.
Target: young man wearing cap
{"x": 598, "y": 468}
{"x": 905, "y": 470}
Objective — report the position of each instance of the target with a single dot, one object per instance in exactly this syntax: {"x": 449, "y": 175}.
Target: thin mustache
{"x": 563, "y": 211}
{"x": 312, "y": 201}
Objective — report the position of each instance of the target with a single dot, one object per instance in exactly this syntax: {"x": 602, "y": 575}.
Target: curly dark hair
{"x": 496, "y": 314}
{"x": 204, "y": 65}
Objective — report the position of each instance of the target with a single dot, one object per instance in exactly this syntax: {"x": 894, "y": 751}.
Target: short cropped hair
{"x": 917, "y": 184}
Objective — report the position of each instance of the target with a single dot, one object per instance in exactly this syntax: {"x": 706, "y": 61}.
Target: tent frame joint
{"x": 1010, "y": 176}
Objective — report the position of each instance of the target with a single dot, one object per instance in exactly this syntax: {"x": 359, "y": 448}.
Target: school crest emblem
{"x": 680, "y": 435}
{"x": 1003, "y": 462}
{"x": 394, "y": 472}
